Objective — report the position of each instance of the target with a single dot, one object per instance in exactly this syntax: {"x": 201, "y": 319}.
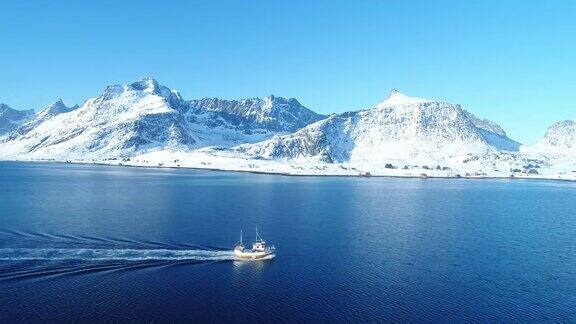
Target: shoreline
{"x": 286, "y": 174}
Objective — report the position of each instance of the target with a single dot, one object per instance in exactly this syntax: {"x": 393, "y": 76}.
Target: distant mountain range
{"x": 146, "y": 119}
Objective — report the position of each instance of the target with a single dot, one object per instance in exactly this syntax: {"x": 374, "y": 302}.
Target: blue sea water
{"x": 101, "y": 243}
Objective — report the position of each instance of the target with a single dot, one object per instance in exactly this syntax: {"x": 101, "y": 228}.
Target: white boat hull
{"x": 252, "y": 255}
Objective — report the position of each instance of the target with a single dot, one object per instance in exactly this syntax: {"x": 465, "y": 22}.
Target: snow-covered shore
{"x": 226, "y": 161}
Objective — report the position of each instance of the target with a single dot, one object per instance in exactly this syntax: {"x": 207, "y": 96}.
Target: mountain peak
{"x": 4, "y": 107}
{"x": 57, "y": 104}
{"x": 55, "y": 108}
{"x": 398, "y": 98}
{"x": 276, "y": 99}
{"x": 560, "y": 140}
{"x": 147, "y": 84}
{"x": 269, "y": 99}
{"x": 563, "y": 124}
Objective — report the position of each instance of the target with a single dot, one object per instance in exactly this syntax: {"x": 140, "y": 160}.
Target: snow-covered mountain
{"x": 11, "y": 118}
{"x": 146, "y": 116}
{"x": 270, "y": 113}
{"x": 559, "y": 140}
{"x": 147, "y": 124}
{"x": 398, "y": 128}
{"x": 234, "y": 122}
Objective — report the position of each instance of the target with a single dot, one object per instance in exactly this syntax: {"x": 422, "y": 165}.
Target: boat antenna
{"x": 240, "y": 236}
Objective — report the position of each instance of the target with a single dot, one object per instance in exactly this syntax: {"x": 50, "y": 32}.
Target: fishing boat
{"x": 259, "y": 249}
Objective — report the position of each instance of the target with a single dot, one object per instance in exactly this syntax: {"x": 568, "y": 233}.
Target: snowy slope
{"x": 398, "y": 128}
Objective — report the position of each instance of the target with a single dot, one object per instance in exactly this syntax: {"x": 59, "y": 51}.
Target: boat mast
{"x": 240, "y": 236}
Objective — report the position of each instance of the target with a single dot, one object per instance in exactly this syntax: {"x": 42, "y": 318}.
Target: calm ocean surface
{"x": 100, "y": 243}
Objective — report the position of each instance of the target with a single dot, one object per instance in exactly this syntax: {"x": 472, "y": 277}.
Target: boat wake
{"x": 38, "y": 263}
{"x": 40, "y": 255}
{"x": 20, "y": 254}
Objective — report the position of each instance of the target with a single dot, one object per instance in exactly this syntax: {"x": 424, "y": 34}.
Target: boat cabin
{"x": 259, "y": 246}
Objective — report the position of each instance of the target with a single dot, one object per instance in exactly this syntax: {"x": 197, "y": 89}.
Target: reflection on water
{"x": 252, "y": 265}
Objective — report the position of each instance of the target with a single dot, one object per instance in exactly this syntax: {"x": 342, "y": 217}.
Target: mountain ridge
{"x": 146, "y": 123}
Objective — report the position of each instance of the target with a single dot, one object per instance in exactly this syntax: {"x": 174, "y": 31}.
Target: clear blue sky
{"x": 511, "y": 61}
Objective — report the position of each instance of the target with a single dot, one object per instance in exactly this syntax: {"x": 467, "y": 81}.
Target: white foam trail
{"x": 114, "y": 254}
